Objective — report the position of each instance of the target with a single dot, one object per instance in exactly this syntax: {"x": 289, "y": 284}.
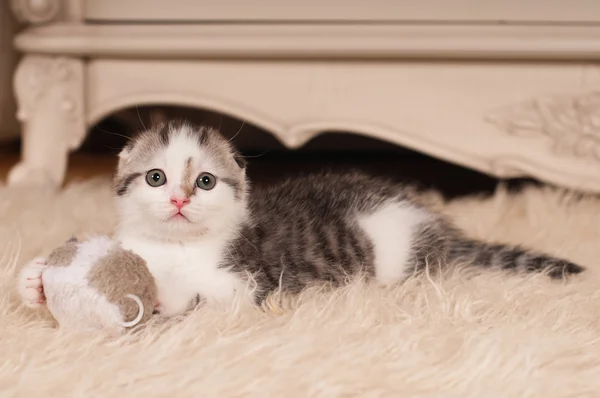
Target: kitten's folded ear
{"x": 124, "y": 154}
{"x": 72, "y": 239}
{"x": 239, "y": 159}
{"x": 237, "y": 156}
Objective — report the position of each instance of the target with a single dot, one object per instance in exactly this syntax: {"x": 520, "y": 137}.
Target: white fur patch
{"x": 184, "y": 270}
{"x": 391, "y": 229}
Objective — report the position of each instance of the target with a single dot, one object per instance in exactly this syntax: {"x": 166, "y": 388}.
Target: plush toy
{"x": 96, "y": 284}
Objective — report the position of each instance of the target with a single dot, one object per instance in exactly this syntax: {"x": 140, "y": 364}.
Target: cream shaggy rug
{"x": 464, "y": 335}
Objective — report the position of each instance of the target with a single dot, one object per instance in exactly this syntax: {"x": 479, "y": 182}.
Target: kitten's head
{"x": 178, "y": 181}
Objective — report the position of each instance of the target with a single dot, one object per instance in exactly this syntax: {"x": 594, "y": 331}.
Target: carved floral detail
{"x": 572, "y": 122}
{"x": 44, "y": 83}
{"x": 35, "y": 11}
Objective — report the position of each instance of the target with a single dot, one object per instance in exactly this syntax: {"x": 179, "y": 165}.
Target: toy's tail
{"x": 140, "y": 314}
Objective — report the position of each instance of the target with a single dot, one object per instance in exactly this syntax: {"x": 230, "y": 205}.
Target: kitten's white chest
{"x": 183, "y": 271}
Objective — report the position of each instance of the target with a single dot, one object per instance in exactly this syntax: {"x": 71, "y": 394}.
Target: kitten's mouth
{"x": 179, "y": 216}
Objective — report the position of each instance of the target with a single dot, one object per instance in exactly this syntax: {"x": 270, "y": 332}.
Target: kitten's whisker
{"x": 137, "y": 109}
{"x": 256, "y": 156}
{"x": 115, "y": 134}
{"x": 113, "y": 148}
{"x": 248, "y": 240}
{"x": 240, "y": 129}
{"x": 232, "y": 257}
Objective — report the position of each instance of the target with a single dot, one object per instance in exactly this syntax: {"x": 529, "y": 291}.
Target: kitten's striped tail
{"x": 510, "y": 258}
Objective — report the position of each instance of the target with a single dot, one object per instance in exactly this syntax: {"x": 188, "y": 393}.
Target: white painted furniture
{"x": 506, "y": 87}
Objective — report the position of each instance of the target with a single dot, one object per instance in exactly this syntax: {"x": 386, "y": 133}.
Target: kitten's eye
{"x": 156, "y": 178}
{"x": 206, "y": 181}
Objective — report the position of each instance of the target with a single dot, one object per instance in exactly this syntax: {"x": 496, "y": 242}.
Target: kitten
{"x": 186, "y": 206}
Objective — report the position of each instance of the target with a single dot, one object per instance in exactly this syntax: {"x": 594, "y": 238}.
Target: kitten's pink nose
{"x": 180, "y": 202}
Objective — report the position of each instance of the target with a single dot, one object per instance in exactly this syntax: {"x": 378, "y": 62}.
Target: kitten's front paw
{"x": 30, "y": 285}
{"x": 170, "y": 306}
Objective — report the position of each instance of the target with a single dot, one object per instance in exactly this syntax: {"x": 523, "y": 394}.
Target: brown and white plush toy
{"x": 96, "y": 284}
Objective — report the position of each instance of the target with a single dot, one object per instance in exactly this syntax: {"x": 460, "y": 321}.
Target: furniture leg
{"x": 49, "y": 92}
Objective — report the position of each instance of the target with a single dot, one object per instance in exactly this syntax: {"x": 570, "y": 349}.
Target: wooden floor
{"x": 81, "y": 166}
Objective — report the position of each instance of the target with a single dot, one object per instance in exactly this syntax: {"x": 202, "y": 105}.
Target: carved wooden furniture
{"x": 481, "y": 85}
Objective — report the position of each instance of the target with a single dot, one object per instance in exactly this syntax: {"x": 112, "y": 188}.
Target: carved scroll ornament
{"x": 35, "y": 11}
{"x": 572, "y": 122}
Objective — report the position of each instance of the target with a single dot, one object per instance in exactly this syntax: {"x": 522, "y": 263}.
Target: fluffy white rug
{"x": 465, "y": 335}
